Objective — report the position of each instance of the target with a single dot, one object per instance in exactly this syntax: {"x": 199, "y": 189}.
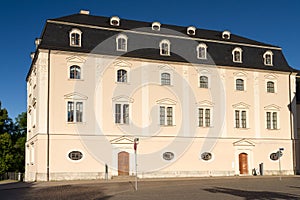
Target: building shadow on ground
{"x": 253, "y": 195}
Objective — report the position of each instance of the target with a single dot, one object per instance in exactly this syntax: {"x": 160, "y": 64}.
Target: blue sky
{"x": 268, "y": 21}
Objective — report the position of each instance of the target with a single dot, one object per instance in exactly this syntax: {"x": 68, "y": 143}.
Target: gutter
{"x": 48, "y": 115}
{"x": 291, "y": 126}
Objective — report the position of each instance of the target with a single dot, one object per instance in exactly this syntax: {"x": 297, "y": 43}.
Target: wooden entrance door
{"x": 243, "y": 163}
{"x": 123, "y": 164}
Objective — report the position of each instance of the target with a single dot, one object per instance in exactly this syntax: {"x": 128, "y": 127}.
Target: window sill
{"x": 75, "y": 79}
{"x": 278, "y": 129}
{"x": 242, "y": 128}
{"x": 122, "y": 83}
{"x": 165, "y": 54}
{"x": 72, "y": 45}
{"x": 70, "y": 123}
{"x": 167, "y": 125}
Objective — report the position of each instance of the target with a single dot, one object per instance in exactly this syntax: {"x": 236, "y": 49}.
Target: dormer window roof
{"x": 226, "y": 35}
{"x": 115, "y": 21}
{"x": 191, "y": 30}
{"x": 156, "y": 26}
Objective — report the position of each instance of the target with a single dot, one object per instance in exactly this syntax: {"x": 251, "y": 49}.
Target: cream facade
{"x": 192, "y": 119}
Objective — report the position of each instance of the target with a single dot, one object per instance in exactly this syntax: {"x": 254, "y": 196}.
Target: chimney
{"x": 32, "y": 55}
{"x": 84, "y": 12}
{"x": 37, "y": 42}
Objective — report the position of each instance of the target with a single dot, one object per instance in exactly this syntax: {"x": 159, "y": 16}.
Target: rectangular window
{"x": 244, "y": 119}
{"x": 268, "y": 120}
{"x": 162, "y": 115}
{"x": 79, "y": 111}
{"x": 237, "y": 119}
{"x": 118, "y": 113}
{"x": 70, "y": 111}
{"x": 126, "y": 114}
{"x": 207, "y": 117}
{"x": 169, "y": 116}
{"x": 201, "y": 117}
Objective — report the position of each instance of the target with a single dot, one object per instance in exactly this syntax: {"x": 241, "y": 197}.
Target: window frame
{"x": 121, "y": 79}
{"x": 269, "y": 88}
{"x": 204, "y": 120}
{"x": 125, "y": 44}
{"x": 70, "y": 72}
{"x": 123, "y": 114}
{"x": 165, "y": 80}
{"x": 241, "y": 118}
{"x": 72, "y": 41}
{"x": 271, "y": 123}
{"x": 202, "y": 48}
{"x": 265, "y": 58}
{"x": 163, "y": 49}
{"x": 75, "y": 112}
{"x": 234, "y": 58}
{"x": 164, "y": 116}
{"x": 242, "y": 84}
{"x": 202, "y": 84}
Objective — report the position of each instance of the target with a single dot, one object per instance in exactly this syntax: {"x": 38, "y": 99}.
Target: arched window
{"x": 164, "y": 47}
{"x": 122, "y": 76}
{"x": 268, "y": 58}
{"x": 75, "y": 72}
{"x": 165, "y": 79}
{"x": 270, "y": 87}
{"x": 201, "y": 51}
{"x": 203, "y": 82}
{"x": 75, "y": 38}
{"x": 239, "y": 84}
{"x": 121, "y": 42}
{"x": 237, "y": 55}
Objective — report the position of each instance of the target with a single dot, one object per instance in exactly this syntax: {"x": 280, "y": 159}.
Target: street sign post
{"x": 136, "y": 142}
{"x": 279, "y": 153}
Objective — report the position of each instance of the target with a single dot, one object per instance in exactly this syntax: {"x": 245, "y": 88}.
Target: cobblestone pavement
{"x": 248, "y": 188}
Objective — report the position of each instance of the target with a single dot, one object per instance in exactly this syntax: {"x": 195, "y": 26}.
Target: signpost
{"x": 279, "y": 152}
{"x": 136, "y": 142}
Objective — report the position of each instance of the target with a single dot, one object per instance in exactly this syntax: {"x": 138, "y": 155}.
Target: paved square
{"x": 248, "y": 188}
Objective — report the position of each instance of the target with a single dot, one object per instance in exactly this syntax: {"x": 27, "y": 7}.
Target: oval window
{"x": 206, "y": 156}
{"x": 168, "y": 155}
{"x": 75, "y": 155}
{"x": 274, "y": 156}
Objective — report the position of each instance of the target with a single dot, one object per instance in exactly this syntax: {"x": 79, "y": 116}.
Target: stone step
{"x": 123, "y": 177}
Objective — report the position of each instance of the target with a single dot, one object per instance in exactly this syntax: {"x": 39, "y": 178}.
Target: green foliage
{"x": 6, "y": 153}
{"x": 12, "y": 142}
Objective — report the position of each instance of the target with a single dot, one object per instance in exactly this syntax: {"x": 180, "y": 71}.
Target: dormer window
{"x": 237, "y": 55}
{"x": 75, "y": 38}
{"x": 191, "y": 30}
{"x": 156, "y": 26}
{"x": 164, "y": 48}
{"x": 121, "y": 42}
{"x": 201, "y": 51}
{"x": 226, "y": 35}
{"x": 115, "y": 21}
{"x": 268, "y": 58}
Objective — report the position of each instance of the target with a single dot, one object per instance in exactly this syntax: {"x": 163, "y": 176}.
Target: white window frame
{"x": 166, "y": 103}
{"x": 239, "y": 50}
{"x": 268, "y": 53}
{"x": 80, "y": 71}
{"x": 121, "y": 36}
{"x": 274, "y": 85}
{"x": 241, "y": 107}
{"x": 240, "y": 118}
{"x": 156, "y": 26}
{"x": 75, "y": 102}
{"x": 127, "y": 69}
{"x": 75, "y": 98}
{"x": 204, "y": 47}
{"x": 75, "y": 31}
{"x": 204, "y": 73}
{"x": 161, "y": 47}
{"x": 272, "y": 109}
{"x": 122, "y": 100}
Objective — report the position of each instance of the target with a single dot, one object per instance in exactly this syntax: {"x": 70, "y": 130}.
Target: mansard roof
{"x": 143, "y": 42}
